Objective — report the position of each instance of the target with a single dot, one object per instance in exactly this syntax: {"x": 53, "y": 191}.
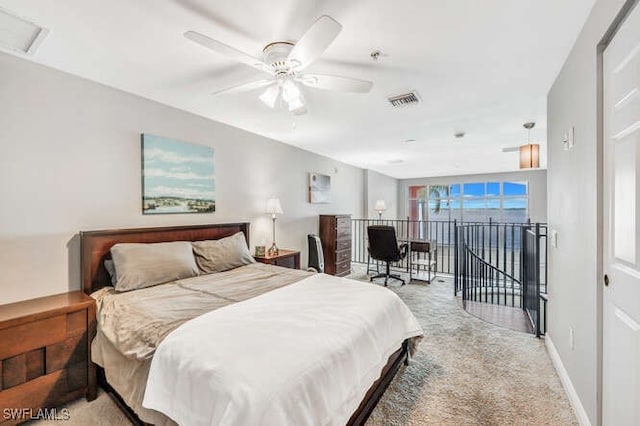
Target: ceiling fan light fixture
{"x": 290, "y": 91}
{"x": 292, "y": 95}
{"x": 296, "y": 103}
{"x": 270, "y": 96}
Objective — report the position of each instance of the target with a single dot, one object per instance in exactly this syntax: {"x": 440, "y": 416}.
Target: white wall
{"x": 537, "y": 180}
{"x": 70, "y": 161}
{"x": 380, "y": 187}
{"x": 573, "y": 209}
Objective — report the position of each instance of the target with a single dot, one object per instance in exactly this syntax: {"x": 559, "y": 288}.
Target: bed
{"x": 123, "y": 368}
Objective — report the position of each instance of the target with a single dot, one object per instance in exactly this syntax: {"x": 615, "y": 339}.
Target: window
{"x": 417, "y": 203}
{"x": 469, "y": 202}
{"x": 439, "y": 202}
{"x": 515, "y": 200}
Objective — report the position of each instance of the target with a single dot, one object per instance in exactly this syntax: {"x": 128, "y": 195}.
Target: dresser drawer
{"x": 46, "y": 391}
{"x": 343, "y": 268}
{"x": 343, "y": 222}
{"x": 343, "y": 234}
{"x": 69, "y": 352}
{"x": 36, "y": 334}
{"x": 343, "y": 255}
{"x": 343, "y": 244}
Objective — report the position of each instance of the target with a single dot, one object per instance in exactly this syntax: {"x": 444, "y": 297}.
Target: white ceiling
{"x": 483, "y": 67}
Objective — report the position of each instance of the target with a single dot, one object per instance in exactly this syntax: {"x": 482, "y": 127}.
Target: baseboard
{"x": 578, "y": 409}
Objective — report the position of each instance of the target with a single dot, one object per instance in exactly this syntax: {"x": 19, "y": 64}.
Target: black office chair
{"x": 383, "y": 246}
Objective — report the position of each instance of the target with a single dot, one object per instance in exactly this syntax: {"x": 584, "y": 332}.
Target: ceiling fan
{"x": 285, "y": 61}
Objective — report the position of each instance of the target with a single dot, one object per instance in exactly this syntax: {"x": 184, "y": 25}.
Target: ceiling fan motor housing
{"x": 276, "y": 53}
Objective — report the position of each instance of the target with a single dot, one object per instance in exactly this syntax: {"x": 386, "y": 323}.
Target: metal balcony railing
{"x": 518, "y": 282}
{"x": 492, "y": 262}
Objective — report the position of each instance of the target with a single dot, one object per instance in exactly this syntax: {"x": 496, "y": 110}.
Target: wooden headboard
{"x": 95, "y": 245}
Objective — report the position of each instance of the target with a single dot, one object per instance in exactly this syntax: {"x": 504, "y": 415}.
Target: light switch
{"x": 568, "y": 139}
{"x": 553, "y": 238}
{"x": 571, "y": 136}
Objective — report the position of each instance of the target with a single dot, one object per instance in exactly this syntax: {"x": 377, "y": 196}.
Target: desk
{"x": 429, "y": 260}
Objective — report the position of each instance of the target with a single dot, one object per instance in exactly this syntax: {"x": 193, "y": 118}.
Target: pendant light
{"x": 529, "y": 153}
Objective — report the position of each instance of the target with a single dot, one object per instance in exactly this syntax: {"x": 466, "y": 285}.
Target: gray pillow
{"x": 111, "y": 270}
{"x": 223, "y": 254}
{"x": 140, "y": 265}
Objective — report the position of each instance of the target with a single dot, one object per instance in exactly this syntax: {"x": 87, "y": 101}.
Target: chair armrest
{"x": 403, "y": 250}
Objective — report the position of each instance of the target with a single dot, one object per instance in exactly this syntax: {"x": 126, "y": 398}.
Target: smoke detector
{"x": 18, "y": 34}
{"x": 404, "y": 99}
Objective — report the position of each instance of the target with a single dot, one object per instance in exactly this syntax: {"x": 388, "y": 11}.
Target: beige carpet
{"x": 470, "y": 372}
{"x": 466, "y": 372}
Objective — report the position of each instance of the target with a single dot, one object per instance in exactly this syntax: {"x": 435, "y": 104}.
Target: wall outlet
{"x": 553, "y": 238}
{"x": 571, "y": 339}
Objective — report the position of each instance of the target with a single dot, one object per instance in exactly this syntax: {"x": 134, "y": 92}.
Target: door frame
{"x": 620, "y": 18}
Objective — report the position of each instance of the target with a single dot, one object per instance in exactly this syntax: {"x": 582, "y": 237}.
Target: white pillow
{"x": 140, "y": 265}
{"x": 223, "y": 254}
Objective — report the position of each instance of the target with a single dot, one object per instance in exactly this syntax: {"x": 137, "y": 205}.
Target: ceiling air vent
{"x": 19, "y": 35}
{"x": 404, "y": 99}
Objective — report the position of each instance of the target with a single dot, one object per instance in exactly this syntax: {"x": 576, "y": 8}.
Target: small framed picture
{"x": 260, "y": 250}
{"x": 319, "y": 188}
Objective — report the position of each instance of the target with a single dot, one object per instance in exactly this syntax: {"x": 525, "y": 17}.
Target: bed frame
{"x": 95, "y": 248}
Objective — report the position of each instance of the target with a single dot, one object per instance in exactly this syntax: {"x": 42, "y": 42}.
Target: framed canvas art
{"x": 177, "y": 177}
{"x": 319, "y": 188}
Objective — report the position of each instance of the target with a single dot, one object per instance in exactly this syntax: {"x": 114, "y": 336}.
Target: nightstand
{"x": 44, "y": 354}
{"x": 285, "y": 258}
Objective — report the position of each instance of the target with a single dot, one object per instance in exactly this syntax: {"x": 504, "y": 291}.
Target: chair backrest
{"x": 316, "y": 258}
{"x": 383, "y": 244}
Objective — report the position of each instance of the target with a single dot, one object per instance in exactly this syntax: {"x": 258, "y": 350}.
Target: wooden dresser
{"x": 335, "y": 235}
{"x": 44, "y": 354}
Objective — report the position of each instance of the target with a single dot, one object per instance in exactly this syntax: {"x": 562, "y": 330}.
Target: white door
{"x": 621, "y": 308}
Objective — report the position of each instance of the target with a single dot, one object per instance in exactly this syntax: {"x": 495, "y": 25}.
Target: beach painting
{"x": 177, "y": 177}
{"x": 319, "y": 188}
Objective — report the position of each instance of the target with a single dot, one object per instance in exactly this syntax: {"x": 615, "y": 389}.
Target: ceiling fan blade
{"x": 315, "y": 41}
{"x": 245, "y": 87}
{"x": 336, "y": 83}
{"x": 228, "y": 51}
{"x": 510, "y": 149}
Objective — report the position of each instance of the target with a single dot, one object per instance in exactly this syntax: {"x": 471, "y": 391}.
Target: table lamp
{"x": 380, "y": 207}
{"x": 273, "y": 208}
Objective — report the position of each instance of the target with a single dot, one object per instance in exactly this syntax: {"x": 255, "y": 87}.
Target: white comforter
{"x": 304, "y": 354}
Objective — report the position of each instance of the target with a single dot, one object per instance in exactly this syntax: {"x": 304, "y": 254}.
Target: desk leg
{"x": 410, "y": 262}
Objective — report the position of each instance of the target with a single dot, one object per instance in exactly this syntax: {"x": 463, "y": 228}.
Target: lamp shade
{"x": 380, "y": 206}
{"x": 530, "y": 156}
{"x": 273, "y": 206}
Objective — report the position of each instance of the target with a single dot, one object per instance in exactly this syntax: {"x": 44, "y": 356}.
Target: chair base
{"x": 386, "y": 278}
